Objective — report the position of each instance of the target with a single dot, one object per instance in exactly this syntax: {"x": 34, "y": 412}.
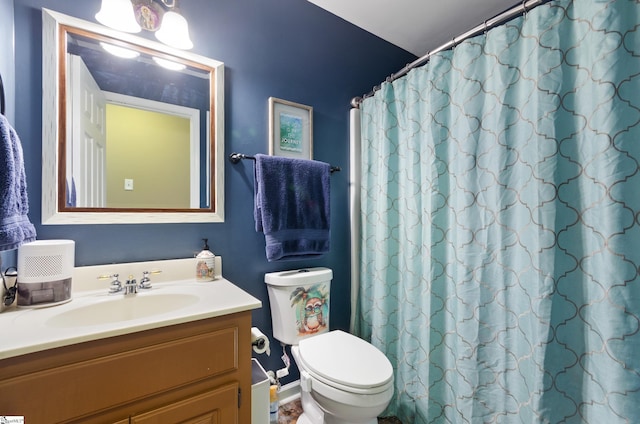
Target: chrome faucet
{"x": 130, "y": 286}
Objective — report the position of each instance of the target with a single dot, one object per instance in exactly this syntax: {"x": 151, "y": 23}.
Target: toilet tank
{"x": 299, "y": 303}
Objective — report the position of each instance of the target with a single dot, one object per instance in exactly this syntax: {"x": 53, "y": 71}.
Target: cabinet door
{"x": 212, "y": 407}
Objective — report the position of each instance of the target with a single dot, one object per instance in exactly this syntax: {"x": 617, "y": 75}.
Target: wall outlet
{"x": 128, "y": 184}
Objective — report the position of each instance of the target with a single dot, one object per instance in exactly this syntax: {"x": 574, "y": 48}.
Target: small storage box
{"x": 259, "y": 394}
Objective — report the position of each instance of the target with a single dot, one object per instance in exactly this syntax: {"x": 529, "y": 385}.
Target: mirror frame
{"x": 54, "y": 43}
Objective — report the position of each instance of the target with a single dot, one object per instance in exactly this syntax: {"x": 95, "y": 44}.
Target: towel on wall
{"x": 15, "y": 227}
{"x": 292, "y": 206}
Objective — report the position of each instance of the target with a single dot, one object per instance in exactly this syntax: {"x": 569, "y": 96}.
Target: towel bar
{"x": 237, "y": 157}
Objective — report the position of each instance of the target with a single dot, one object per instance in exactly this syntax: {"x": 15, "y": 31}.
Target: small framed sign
{"x": 290, "y": 129}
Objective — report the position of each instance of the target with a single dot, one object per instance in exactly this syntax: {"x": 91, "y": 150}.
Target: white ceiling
{"x": 417, "y": 26}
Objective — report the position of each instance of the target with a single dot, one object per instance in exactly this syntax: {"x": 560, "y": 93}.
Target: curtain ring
{"x": 486, "y": 28}
{"x": 524, "y": 8}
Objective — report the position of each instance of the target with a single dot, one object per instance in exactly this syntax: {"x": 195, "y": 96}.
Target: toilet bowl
{"x": 349, "y": 379}
{"x": 343, "y": 378}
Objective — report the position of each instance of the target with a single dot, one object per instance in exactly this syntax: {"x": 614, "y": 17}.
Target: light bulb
{"x": 174, "y": 31}
{"x": 118, "y": 14}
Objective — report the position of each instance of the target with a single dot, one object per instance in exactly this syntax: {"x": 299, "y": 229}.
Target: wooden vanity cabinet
{"x": 196, "y": 372}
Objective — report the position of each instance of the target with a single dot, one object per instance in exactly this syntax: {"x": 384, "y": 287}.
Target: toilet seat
{"x": 346, "y": 362}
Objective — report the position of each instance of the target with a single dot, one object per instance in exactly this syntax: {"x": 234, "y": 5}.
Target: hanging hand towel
{"x": 15, "y": 227}
{"x": 292, "y": 207}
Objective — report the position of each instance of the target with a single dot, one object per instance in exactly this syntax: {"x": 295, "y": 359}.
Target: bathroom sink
{"x": 119, "y": 308}
{"x": 94, "y": 314}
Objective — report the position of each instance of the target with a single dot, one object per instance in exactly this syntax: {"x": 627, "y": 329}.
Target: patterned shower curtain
{"x": 500, "y": 235}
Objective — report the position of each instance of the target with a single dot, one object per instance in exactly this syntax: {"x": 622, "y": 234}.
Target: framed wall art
{"x": 290, "y": 129}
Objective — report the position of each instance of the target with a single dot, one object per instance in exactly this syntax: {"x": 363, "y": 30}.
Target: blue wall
{"x": 288, "y": 49}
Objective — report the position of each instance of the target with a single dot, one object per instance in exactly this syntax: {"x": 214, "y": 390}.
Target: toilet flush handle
{"x": 305, "y": 381}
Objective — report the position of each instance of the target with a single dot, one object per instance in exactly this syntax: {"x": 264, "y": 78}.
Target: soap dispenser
{"x": 205, "y": 263}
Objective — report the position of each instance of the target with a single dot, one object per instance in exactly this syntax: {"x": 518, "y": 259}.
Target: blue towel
{"x": 70, "y": 194}
{"x": 15, "y": 227}
{"x": 292, "y": 207}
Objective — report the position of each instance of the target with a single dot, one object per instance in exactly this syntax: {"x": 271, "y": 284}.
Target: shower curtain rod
{"x": 515, "y": 11}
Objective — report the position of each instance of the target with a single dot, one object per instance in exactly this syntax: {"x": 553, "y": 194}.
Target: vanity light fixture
{"x": 118, "y": 14}
{"x": 174, "y": 31}
{"x": 159, "y": 16}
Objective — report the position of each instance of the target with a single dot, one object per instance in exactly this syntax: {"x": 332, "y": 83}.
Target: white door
{"x": 86, "y": 152}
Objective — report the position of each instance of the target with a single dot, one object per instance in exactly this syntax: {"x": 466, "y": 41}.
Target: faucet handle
{"x": 145, "y": 281}
{"x": 115, "y": 285}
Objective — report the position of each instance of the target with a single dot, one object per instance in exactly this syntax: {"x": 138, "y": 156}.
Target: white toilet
{"x": 343, "y": 378}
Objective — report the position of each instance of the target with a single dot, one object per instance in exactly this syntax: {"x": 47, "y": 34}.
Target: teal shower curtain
{"x": 500, "y": 235}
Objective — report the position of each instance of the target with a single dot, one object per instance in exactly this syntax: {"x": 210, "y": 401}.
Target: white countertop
{"x": 31, "y": 330}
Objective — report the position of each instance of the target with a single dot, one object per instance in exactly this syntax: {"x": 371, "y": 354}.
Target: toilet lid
{"x": 345, "y": 359}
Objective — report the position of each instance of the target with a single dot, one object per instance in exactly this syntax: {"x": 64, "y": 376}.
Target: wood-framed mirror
{"x": 128, "y": 140}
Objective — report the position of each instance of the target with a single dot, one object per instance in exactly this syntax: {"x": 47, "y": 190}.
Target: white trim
{"x": 289, "y": 392}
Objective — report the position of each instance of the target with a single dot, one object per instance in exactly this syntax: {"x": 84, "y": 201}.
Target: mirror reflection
{"x": 134, "y": 138}
{"x": 132, "y": 129}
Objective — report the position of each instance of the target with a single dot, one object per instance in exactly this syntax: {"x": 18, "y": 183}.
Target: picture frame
{"x": 290, "y": 129}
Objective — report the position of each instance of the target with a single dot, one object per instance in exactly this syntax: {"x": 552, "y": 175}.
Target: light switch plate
{"x": 128, "y": 184}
